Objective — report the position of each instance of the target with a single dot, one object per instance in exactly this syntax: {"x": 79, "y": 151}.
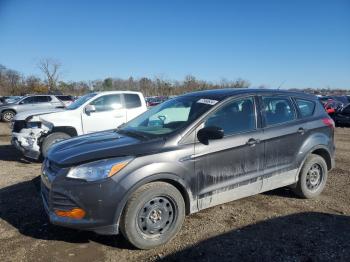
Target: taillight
{"x": 328, "y": 122}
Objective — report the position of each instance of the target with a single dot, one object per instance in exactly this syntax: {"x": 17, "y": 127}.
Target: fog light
{"x": 75, "y": 213}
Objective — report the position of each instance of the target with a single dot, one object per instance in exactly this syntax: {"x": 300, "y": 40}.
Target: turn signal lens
{"x": 75, "y": 213}
{"x": 116, "y": 168}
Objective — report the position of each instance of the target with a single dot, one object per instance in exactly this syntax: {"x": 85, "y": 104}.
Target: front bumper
{"x": 27, "y": 143}
{"x": 98, "y": 199}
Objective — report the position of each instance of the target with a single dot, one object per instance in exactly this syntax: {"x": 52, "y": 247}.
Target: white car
{"x": 34, "y": 132}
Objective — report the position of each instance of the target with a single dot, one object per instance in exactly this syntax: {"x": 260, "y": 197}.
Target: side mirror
{"x": 90, "y": 109}
{"x": 208, "y": 133}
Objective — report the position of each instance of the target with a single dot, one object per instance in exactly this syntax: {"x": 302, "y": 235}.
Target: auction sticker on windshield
{"x": 207, "y": 101}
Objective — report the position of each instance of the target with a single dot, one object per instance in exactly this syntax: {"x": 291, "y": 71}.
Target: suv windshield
{"x": 80, "y": 101}
{"x": 169, "y": 116}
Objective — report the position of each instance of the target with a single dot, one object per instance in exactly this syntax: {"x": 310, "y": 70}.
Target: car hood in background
{"x": 101, "y": 145}
{"x": 25, "y": 115}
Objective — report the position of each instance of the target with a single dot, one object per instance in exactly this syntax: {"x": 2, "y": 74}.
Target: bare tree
{"x": 51, "y": 69}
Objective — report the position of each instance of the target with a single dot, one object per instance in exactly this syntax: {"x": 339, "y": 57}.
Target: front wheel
{"x": 8, "y": 115}
{"x": 312, "y": 178}
{"x": 153, "y": 215}
{"x": 52, "y": 139}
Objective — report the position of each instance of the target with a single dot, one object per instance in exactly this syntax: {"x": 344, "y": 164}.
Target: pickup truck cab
{"x": 34, "y": 132}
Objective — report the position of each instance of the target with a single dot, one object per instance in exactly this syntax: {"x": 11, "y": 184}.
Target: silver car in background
{"x": 28, "y": 103}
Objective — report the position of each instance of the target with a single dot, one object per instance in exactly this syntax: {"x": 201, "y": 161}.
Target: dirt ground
{"x": 275, "y": 226}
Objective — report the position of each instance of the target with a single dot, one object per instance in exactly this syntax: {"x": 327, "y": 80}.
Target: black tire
{"x": 8, "y": 115}
{"x": 312, "y": 177}
{"x": 156, "y": 207}
{"x": 52, "y": 139}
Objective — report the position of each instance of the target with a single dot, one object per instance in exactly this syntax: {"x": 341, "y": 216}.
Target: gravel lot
{"x": 275, "y": 226}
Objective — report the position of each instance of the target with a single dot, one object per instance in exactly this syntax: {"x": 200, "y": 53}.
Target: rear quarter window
{"x": 305, "y": 107}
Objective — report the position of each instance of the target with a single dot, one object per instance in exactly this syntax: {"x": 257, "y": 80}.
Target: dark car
{"x": 333, "y": 106}
{"x": 154, "y": 101}
{"x": 189, "y": 153}
{"x": 342, "y": 116}
{"x": 343, "y": 99}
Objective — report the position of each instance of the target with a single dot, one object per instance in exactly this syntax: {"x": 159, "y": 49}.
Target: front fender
{"x": 156, "y": 172}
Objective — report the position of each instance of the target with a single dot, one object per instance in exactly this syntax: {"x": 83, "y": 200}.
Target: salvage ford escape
{"x": 189, "y": 153}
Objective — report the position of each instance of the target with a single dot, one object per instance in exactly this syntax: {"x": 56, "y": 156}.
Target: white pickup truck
{"x": 35, "y": 131}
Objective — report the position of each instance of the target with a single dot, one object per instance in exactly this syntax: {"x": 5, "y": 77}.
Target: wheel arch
{"x": 8, "y": 109}
{"x": 64, "y": 129}
{"x": 69, "y": 130}
{"x": 171, "y": 179}
{"x": 320, "y": 150}
{"x": 324, "y": 153}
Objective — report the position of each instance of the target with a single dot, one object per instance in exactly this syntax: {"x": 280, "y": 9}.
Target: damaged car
{"x": 34, "y": 132}
{"x": 189, "y": 153}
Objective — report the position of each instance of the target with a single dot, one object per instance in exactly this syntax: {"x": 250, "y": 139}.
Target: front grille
{"x": 62, "y": 202}
{"x": 18, "y": 125}
{"x": 57, "y": 200}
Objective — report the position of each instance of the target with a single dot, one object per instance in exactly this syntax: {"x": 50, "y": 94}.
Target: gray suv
{"x": 187, "y": 154}
{"x": 27, "y": 103}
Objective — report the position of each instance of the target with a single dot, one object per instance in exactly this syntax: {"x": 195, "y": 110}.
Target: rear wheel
{"x": 52, "y": 139}
{"x": 312, "y": 177}
{"x": 8, "y": 115}
{"x": 153, "y": 215}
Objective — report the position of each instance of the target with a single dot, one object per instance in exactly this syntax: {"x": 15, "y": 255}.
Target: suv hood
{"x": 100, "y": 145}
{"x": 25, "y": 115}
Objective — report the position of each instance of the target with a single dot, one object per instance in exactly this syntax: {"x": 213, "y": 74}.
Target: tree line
{"x": 13, "y": 82}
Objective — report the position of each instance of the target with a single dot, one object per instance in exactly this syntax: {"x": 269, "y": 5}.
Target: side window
{"x": 235, "y": 117}
{"x": 132, "y": 100}
{"x": 28, "y": 100}
{"x": 278, "y": 110}
{"x": 306, "y": 107}
{"x": 107, "y": 103}
{"x": 42, "y": 99}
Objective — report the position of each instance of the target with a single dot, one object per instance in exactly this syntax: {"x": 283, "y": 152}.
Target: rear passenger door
{"x": 282, "y": 137}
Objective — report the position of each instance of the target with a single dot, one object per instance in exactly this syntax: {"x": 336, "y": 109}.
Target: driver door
{"x": 231, "y": 167}
{"x": 110, "y": 113}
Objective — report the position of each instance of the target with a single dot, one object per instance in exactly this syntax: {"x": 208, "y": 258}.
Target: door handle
{"x": 253, "y": 141}
{"x": 301, "y": 131}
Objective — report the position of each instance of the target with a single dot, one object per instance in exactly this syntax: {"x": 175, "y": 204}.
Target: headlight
{"x": 33, "y": 124}
{"x": 99, "y": 169}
